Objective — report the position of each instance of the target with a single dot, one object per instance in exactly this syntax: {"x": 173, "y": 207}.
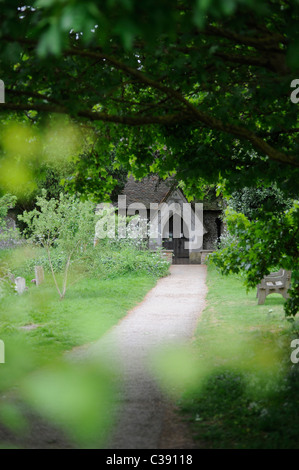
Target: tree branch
{"x": 269, "y": 42}
{"x": 189, "y": 112}
{"x": 169, "y": 119}
{"x": 247, "y": 60}
{"x": 31, "y": 94}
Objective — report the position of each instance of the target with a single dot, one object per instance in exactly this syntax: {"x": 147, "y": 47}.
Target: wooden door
{"x": 181, "y": 254}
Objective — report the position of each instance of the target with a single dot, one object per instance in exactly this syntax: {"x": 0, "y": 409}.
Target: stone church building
{"x": 152, "y": 190}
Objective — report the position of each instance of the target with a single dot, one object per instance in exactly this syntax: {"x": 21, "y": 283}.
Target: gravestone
{"x": 20, "y": 284}
{"x": 39, "y": 275}
{"x": 2, "y": 352}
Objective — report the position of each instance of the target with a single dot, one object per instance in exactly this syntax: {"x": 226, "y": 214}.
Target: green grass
{"x": 90, "y": 308}
{"x": 94, "y": 301}
{"x": 249, "y": 396}
{"x": 38, "y": 328}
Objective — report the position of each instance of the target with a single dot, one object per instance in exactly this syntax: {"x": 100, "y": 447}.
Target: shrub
{"x": 111, "y": 259}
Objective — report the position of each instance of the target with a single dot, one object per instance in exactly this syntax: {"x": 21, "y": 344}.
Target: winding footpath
{"x": 167, "y": 316}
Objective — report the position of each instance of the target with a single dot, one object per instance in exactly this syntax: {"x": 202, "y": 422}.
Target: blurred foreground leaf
{"x": 77, "y": 398}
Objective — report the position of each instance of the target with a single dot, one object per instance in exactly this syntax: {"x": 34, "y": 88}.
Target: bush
{"x": 6, "y": 285}
{"x": 8, "y": 235}
{"x": 65, "y": 231}
{"x": 41, "y": 259}
{"x": 111, "y": 259}
{"x": 227, "y": 239}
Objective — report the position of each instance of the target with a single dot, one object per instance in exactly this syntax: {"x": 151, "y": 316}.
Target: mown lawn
{"x": 249, "y": 396}
{"x": 50, "y": 326}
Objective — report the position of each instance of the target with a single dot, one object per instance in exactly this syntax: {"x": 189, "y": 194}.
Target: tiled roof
{"x": 149, "y": 190}
{"x": 152, "y": 189}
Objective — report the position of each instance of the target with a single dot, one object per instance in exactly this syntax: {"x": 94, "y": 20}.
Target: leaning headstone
{"x": 20, "y": 284}
{"x": 39, "y": 275}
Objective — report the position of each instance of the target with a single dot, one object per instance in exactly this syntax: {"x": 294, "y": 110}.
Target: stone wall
{"x": 210, "y": 224}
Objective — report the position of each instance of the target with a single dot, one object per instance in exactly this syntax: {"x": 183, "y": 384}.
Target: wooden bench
{"x": 278, "y": 283}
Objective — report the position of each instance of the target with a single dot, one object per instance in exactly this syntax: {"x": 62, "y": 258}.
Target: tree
{"x": 97, "y": 176}
{"x": 204, "y": 84}
{"x": 199, "y": 89}
{"x": 66, "y": 224}
{"x": 254, "y": 203}
{"x": 263, "y": 243}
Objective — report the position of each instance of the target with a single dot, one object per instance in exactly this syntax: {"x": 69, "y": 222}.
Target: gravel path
{"x": 147, "y": 418}
{"x": 168, "y": 315}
